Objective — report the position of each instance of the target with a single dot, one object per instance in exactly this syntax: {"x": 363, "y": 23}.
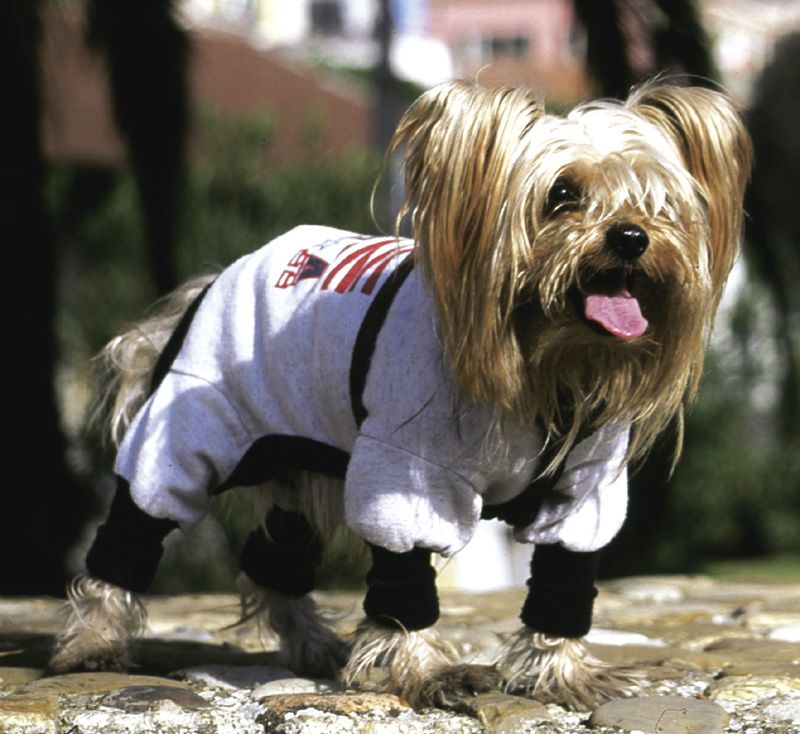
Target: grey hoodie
{"x": 268, "y": 354}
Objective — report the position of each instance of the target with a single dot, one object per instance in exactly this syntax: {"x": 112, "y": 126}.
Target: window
{"x": 326, "y": 17}
{"x": 509, "y": 46}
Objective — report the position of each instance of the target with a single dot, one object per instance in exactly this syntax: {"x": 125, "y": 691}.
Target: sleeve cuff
{"x": 401, "y": 589}
{"x": 561, "y": 591}
{"x": 127, "y": 548}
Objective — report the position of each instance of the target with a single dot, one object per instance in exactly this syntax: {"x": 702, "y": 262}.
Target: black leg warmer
{"x": 561, "y": 591}
{"x": 401, "y": 589}
{"x": 284, "y": 557}
{"x": 127, "y": 547}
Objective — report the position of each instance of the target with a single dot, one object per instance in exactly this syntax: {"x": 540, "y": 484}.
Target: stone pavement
{"x": 722, "y": 658}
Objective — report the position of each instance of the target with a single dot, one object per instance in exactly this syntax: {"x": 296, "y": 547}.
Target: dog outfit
{"x": 319, "y": 352}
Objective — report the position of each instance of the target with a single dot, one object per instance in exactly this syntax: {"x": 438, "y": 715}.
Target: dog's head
{"x": 575, "y": 261}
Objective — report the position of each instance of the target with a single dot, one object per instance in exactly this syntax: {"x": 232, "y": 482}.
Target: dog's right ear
{"x": 465, "y": 148}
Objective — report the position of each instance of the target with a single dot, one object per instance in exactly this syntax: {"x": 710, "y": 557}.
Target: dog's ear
{"x": 467, "y": 191}
{"x": 716, "y": 150}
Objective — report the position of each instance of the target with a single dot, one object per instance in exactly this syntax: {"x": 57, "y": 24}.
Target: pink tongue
{"x": 618, "y": 314}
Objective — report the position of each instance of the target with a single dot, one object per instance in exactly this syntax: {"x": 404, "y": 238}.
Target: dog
{"x": 544, "y": 325}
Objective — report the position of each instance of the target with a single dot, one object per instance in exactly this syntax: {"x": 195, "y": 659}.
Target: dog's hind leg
{"x": 104, "y": 612}
{"x": 278, "y": 564}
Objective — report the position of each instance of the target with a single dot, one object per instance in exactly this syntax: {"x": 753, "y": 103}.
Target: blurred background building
{"x": 257, "y": 55}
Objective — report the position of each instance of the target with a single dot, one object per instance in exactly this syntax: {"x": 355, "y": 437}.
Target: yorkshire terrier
{"x": 545, "y": 324}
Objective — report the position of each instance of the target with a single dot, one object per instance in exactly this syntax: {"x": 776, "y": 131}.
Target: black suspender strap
{"x": 367, "y": 336}
{"x": 175, "y": 342}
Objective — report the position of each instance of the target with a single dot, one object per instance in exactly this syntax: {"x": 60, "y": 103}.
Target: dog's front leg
{"x": 396, "y": 641}
{"x": 104, "y": 611}
{"x": 547, "y": 658}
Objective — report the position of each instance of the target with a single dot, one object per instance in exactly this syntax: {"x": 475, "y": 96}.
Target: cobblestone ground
{"x": 721, "y": 657}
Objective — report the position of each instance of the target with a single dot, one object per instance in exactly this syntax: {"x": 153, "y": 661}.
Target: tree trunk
{"x": 146, "y": 51}
{"x": 42, "y": 509}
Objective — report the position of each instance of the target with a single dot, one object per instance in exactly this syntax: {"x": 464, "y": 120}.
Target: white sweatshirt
{"x": 269, "y": 353}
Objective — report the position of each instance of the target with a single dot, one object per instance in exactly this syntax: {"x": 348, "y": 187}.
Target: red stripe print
{"x": 382, "y": 261}
{"x": 359, "y": 261}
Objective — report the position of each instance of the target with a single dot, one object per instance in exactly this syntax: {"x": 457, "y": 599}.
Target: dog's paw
{"x": 562, "y": 670}
{"x": 454, "y": 686}
{"x": 101, "y": 621}
{"x": 398, "y": 661}
{"x": 308, "y": 647}
{"x": 88, "y": 650}
{"x": 319, "y": 654}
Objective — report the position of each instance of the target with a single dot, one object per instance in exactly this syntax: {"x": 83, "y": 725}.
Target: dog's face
{"x": 617, "y": 231}
{"x": 576, "y": 260}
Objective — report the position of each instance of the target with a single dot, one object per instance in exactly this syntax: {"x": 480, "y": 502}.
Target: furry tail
{"x": 126, "y": 364}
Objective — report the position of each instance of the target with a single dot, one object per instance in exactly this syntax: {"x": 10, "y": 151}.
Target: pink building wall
{"x": 551, "y": 60}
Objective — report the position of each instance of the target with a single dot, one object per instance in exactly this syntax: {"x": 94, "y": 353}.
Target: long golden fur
{"x": 479, "y": 165}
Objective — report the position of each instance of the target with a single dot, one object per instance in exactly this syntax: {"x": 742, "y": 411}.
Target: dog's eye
{"x": 564, "y": 196}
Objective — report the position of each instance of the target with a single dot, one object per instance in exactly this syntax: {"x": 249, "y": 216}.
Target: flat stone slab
{"x": 88, "y": 683}
{"x": 342, "y": 703}
{"x": 754, "y": 687}
{"x": 235, "y": 677}
{"x": 284, "y": 686}
{"x": 136, "y": 699}
{"x": 501, "y": 713}
{"x": 662, "y": 715}
{"x": 784, "y": 711}
{"x": 11, "y": 678}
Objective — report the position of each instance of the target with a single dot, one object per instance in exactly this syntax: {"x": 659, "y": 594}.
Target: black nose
{"x": 629, "y": 241}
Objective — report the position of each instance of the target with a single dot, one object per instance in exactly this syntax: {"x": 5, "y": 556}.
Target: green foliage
{"x": 780, "y": 568}
{"x": 225, "y": 226}
{"x": 404, "y": 91}
{"x": 104, "y": 280}
{"x": 736, "y": 491}
{"x": 233, "y": 205}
